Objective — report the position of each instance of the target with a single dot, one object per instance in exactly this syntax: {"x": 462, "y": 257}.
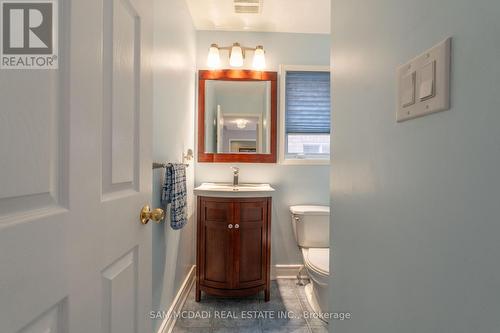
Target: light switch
{"x": 427, "y": 81}
{"x": 424, "y": 83}
{"x": 408, "y": 90}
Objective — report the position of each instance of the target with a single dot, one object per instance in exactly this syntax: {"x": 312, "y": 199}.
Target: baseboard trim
{"x": 287, "y": 271}
{"x": 169, "y": 322}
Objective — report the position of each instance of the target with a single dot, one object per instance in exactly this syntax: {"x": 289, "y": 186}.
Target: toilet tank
{"x": 311, "y": 225}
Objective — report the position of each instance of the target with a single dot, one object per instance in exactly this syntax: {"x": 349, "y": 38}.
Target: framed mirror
{"x": 237, "y": 116}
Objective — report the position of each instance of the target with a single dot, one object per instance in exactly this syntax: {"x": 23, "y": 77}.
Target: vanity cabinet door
{"x": 215, "y": 243}
{"x": 251, "y": 243}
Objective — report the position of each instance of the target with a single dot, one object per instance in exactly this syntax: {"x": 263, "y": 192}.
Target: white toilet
{"x": 311, "y": 226}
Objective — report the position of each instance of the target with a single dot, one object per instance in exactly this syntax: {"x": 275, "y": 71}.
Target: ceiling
{"x": 296, "y": 16}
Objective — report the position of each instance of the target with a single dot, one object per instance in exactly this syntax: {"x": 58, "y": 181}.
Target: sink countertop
{"x": 228, "y": 190}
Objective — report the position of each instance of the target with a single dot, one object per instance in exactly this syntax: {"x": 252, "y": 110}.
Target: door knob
{"x": 147, "y": 214}
{"x": 230, "y": 226}
{"x": 236, "y": 226}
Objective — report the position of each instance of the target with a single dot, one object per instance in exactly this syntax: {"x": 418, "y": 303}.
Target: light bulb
{"x": 236, "y": 57}
{"x": 259, "y": 58}
{"x": 241, "y": 123}
{"x": 213, "y": 59}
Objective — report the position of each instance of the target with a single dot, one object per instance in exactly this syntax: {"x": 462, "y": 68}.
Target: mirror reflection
{"x": 237, "y": 117}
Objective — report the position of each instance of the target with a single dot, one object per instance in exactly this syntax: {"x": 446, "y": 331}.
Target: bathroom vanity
{"x": 237, "y": 123}
{"x": 233, "y": 239}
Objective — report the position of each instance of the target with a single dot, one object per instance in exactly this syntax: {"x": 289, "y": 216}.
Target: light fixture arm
{"x": 243, "y": 48}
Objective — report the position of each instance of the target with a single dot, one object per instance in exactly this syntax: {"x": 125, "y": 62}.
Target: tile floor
{"x": 286, "y": 295}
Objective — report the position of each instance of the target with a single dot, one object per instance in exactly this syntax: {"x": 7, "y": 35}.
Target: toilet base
{"x": 313, "y": 300}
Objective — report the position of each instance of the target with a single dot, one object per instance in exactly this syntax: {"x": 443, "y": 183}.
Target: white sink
{"x": 228, "y": 190}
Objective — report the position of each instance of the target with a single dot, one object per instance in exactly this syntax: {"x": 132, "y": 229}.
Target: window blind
{"x": 307, "y": 102}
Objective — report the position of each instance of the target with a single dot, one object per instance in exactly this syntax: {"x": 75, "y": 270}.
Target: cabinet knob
{"x": 236, "y": 226}
{"x": 230, "y": 226}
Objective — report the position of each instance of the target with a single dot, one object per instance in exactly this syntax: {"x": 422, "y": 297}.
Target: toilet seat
{"x": 319, "y": 259}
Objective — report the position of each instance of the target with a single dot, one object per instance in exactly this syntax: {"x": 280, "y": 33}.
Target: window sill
{"x": 305, "y": 162}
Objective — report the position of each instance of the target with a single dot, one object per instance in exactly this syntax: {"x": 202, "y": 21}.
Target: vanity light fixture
{"x": 236, "y": 56}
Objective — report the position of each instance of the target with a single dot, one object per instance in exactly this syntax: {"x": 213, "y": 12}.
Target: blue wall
{"x": 295, "y": 184}
{"x": 416, "y": 214}
{"x": 173, "y": 128}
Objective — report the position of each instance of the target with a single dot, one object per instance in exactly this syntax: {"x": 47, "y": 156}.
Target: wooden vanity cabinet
{"x": 233, "y": 246}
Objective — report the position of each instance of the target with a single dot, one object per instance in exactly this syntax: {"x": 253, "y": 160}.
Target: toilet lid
{"x": 319, "y": 259}
{"x": 310, "y": 210}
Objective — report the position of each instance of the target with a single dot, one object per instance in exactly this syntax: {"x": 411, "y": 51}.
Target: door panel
{"x": 33, "y": 278}
{"x": 252, "y": 211}
{"x": 33, "y": 137}
{"x": 251, "y": 236}
{"x": 216, "y": 264}
{"x": 73, "y": 179}
{"x": 121, "y": 86}
{"x": 53, "y": 321}
{"x": 251, "y": 253}
{"x": 216, "y": 260}
{"x": 119, "y": 291}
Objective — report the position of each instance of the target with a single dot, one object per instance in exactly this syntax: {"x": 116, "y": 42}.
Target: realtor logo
{"x": 29, "y": 34}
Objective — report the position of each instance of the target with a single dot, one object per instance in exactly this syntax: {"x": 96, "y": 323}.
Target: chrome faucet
{"x": 236, "y": 173}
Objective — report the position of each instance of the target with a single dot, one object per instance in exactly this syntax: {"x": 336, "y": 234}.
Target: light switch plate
{"x": 432, "y": 70}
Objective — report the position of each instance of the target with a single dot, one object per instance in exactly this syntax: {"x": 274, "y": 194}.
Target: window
{"x": 305, "y": 115}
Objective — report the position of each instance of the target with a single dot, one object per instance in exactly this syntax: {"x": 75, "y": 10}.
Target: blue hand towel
{"x": 175, "y": 194}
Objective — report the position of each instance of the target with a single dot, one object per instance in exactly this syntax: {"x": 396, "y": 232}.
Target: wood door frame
{"x": 237, "y": 75}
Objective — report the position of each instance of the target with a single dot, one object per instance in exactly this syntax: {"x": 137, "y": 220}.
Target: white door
{"x": 75, "y": 170}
